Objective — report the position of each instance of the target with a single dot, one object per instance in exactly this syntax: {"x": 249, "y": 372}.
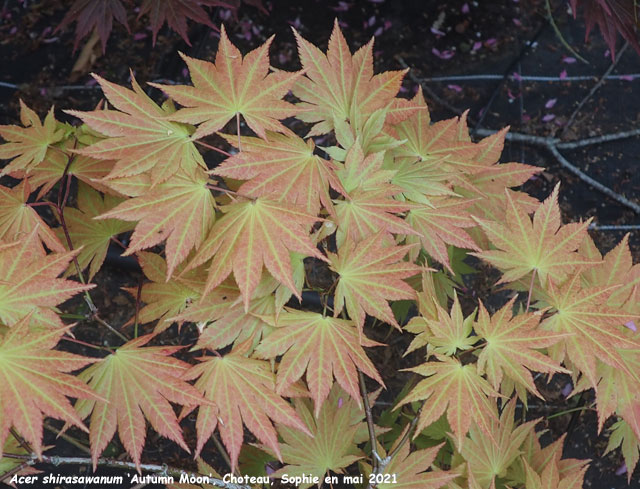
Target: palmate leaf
{"x": 241, "y": 392}
{"x": 370, "y": 274}
{"x": 623, "y": 436}
{"x": 329, "y": 441}
{"x": 90, "y": 235}
{"x": 410, "y": 470}
{"x": 595, "y": 327}
{"x": 233, "y": 85}
{"x": 34, "y": 380}
{"x": 550, "y": 478}
{"x": 254, "y": 233}
{"x": 164, "y": 298}
{"x": 18, "y": 219}
{"x": 542, "y": 246}
{"x": 286, "y": 166}
{"x": 175, "y": 14}
{"x": 459, "y": 391}
{"x": 94, "y": 14}
{"x": 489, "y": 458}
{"x": 139, "y": 136}
{"x": 180, "y": 211}
{"x": 28, "y": 282}
{"x": 440, "y": 224}
{"x": 136, "y": 382}
{"x": 339, "y": 85}
{"x": 511, "y": 344}
{"x": 28, "y": 145}
{"x": 324, "y": 347}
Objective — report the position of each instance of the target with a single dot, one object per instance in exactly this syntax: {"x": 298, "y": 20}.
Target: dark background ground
{"x": 514, "y": 36}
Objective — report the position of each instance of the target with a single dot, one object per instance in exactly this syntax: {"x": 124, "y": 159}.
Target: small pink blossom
{"x": 563, "y": 74}
{"x": 550, "y": 103}
{"x": 476, "y": 45}
{"x": 446, "y": 54}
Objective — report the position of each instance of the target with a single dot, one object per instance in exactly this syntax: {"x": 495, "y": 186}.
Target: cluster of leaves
{"x": 385, "y": 210}
{"x": 613, "y": 17}
{"x": 99, "y": 15}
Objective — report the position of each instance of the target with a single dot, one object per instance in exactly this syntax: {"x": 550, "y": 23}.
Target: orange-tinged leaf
{"x": 324, "y": 347}
{"x": 180, "y": 210}
{"x": 542, "y": 245}
{"x": 233, "y": 85}
{"x": 343, "y": 86}
{"x": 330, "y": 441}
{"x": 457, "y": 390}
{"x": 137, "y": 383}
{"x": 410, "y": 470}
{"x": 286, "y": 166}
{"x": 255, "y": 233}
{"x": 370, "y": 274}
{"x": 139, "y": 136}
{"x": 623, "y": 436}
{"x": 18, "y": 219}
{"x": 439, "y": 224}
{"x": 92, "y": 236}
{"x": 511, "y": 344}
{"x": 34, "y": 380}
{"x": 550, "y": 478}
{"x": 28, "y": 145}
{"x": 241, "y": 392}
{"x": 164, "y": 299}
{"x": 489, "y": 458}
{"x": 595, "y": 327}
{"x": 28, "y": 282}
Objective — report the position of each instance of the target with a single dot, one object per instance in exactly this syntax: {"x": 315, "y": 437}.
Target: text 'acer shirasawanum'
{"x": 234, "y": 214}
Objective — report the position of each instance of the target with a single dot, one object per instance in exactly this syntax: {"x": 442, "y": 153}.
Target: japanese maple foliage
{"x": 381, "y": 217}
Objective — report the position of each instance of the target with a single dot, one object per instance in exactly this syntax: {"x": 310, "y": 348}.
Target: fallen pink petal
{"x": 563, "y": 74}
{"x": 548, "y": 117}
{"x": 631, "y": 325}
{"x": 568, "y": 59}
{"x": 455, "y": 88}
{"x": 550, "y": 103}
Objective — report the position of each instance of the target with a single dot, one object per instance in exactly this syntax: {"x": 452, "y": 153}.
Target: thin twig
{"x": 622, "y": 227}
{"x": 212, "y": 148}
{"x": 119, "y": 464}
{"x": 372, "y": 432}
{"x": 533, "y": 277}
{"x": 69, "y": 439}
{"x": 593, "y": 90}
{"x": 605, "y": 138}
{"x": 101, "y": 321}
{"x": 223, "y": 453}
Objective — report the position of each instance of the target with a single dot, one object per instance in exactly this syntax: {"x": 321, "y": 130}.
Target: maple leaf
{"x": 325, "y": 347}
{"x": 139, "y": 136}
{"x": 622, "y": 435}
{"x": 542, "y": 246}
{"x": 233, "y": 85}
{"x": 94, "y": 14}
{"x": 370, "y": 274}
{"x": 175, "y": 14}
{"x": 223, "y": 319}
{"x": 410, "y": 470}
{"x": 550, "y": 478}
{"x": 441, "y": 223}
{"x": 164, "y": 298}
{"x": 17, "y": 218}
{"x": 329, "y": 441}
{"x": 251, "y": 234}
{"x": 446, "y": 334}
{"x": 180, "y": 210}
{"x": 28, "y": 145}
{"x": 510, "y": 348}
{"x": 29, "y": 282}
{"x": 90, "y": 235}
{"x": 595, "y": 328}
{"x": 285, "y": 166}
{"x": 457, "y": 389}
{"x": 613, "y": 17}
{"x": 489, "y": 458}
{"x": 241, "y": 391}
{"x": 339, "y": 85}
{"x": 136, "y": 382}
{"x": 35, "y": 381}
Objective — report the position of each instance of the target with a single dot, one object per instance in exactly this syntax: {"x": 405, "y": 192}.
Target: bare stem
{"x": 533, "y": 278}
{"x": 238, "y": 131}
{"x": 212, "y": 148}
{"x": 370, "y": 425}
{"x": 221, "y": 450}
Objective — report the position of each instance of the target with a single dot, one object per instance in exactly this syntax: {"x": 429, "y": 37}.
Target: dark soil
{"x": 437, "y": 39}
